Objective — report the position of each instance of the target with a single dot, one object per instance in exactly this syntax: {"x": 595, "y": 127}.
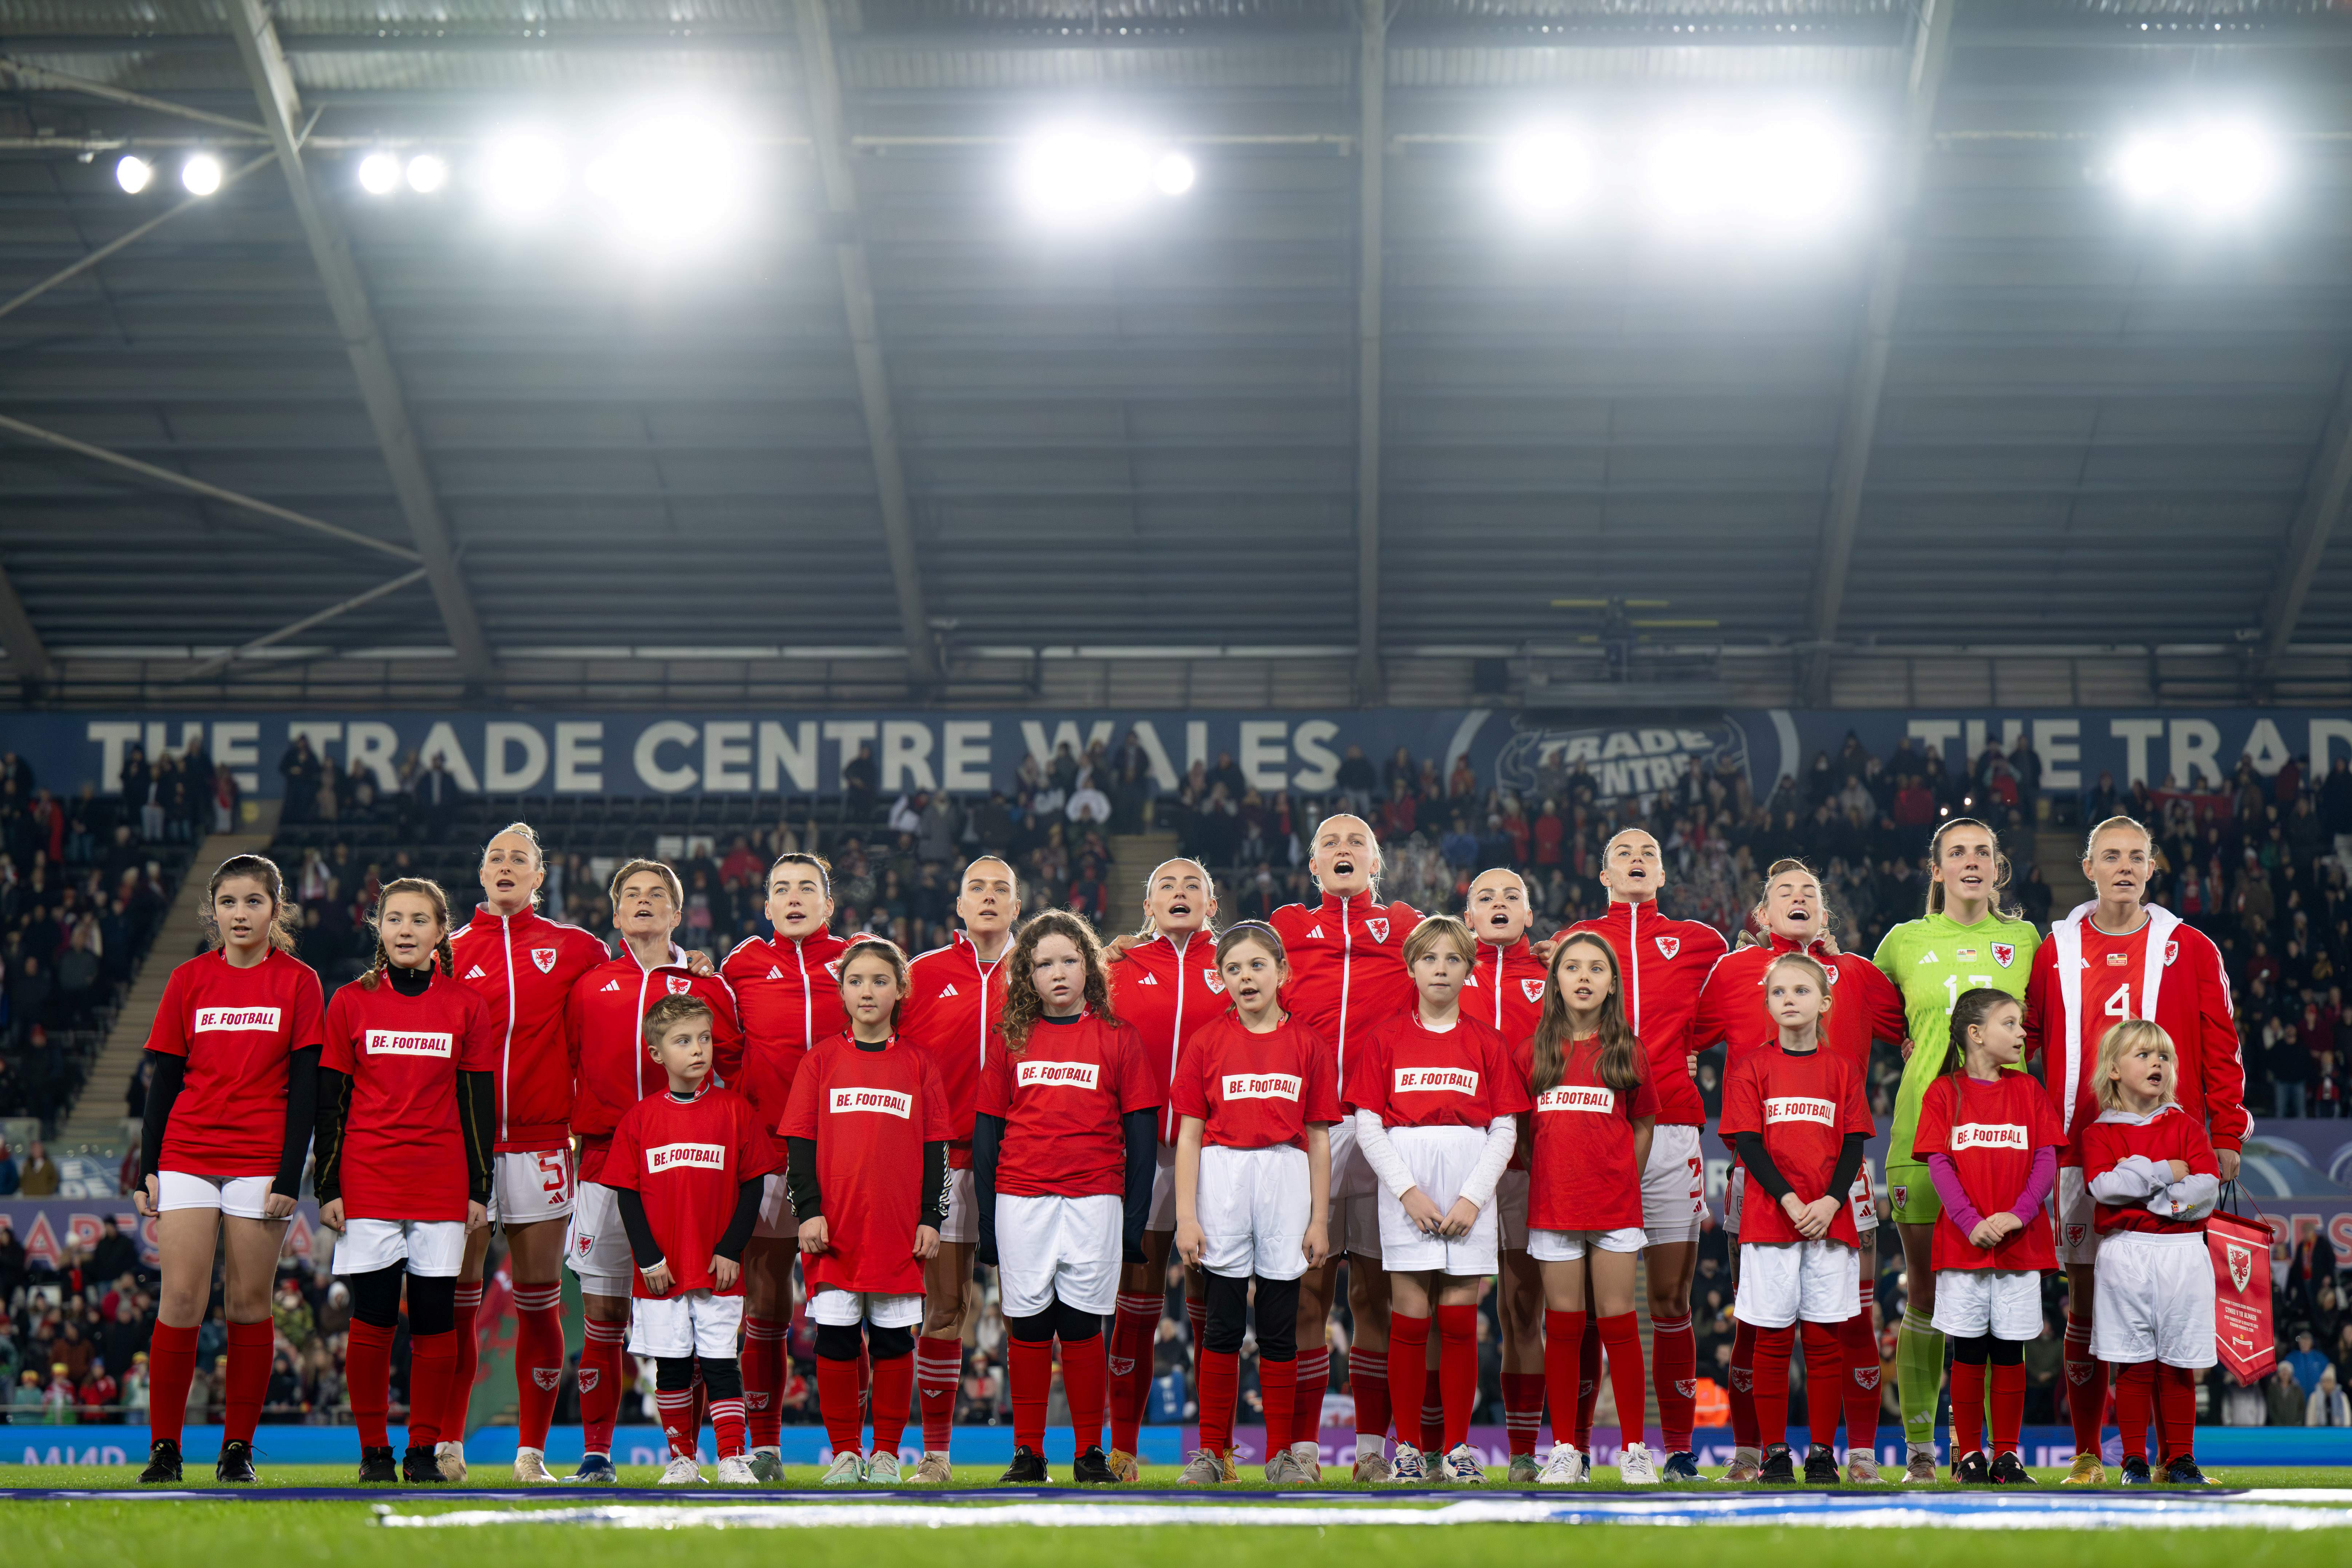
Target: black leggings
{"x": 432, "y": 1300}
{"x": 721, "y": 1379}
{"x": 1277, "y": 1316}
{"x": 1056, "y": 1322}
{"x": 841, "y": 1341}
{"x": 1984, "y": 1348}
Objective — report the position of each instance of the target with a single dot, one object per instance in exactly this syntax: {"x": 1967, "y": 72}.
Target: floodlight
{"x": 2227, "y": 169}
{"x": 379, "y": 173}
{"x": 2147, "y": 167}
{"x": 522, "y": 173}
{"x": 1076, "y": 175}
{"x": 133, "y": 173}
{"x": 201, "y": 174}
{"x": 672, "y": 183}
{"x": 1691, "y": 173}
{"x": 426, "y": 174}
{"x": 1795, "y": 171}
{"x": 1545, "y": 174}
{"x": 1173, "y": 173}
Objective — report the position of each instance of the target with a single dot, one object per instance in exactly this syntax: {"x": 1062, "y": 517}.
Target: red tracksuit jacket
{"x": 523, "y": 967}
{"x": 1168, "y": 988}
{"x": 604, "y": 1035}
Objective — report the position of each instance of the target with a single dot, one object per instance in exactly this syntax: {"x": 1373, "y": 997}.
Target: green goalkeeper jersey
{"x": 1932, "y": 960}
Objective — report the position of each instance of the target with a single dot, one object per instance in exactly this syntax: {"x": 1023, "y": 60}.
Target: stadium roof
{"x": 2084, "y": 424}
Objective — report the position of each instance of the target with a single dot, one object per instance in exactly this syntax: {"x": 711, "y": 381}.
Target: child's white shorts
{"x": 1781, "y": 1281}
{"x": 2003, "y": 1303}
{"x": 1254, "y": 1205}
{"x": 2154, "y": 1300}
{"x": 691, "y": 1322}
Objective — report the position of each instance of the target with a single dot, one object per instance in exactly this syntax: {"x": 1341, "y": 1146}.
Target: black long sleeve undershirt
{"x": 301, "y": 1113}
{"x": 1142, "y": 1129}
{"x": 1750, "y": 1147}
{"x": 731, "y": 1241}
{"x": 1849, "y": 1164}
{"x": 334, "y": 1109}
{"x": 168, "y": 1074}
{"x": 987, "y": 1136}
{"x": 477, "y": 1118}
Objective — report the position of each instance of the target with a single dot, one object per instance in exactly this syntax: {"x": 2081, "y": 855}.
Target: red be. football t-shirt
{"x": 869, "y": 1110}
{"x": 1991, "y": 1131}
{"x": 238, "y": 1029}
{"x": 1061, "y": 1098}
{"x": 404, "y": 1154}
{"x": 1582, "y": 1173}
{"x": 1255, "y": 1091}
{"x": 1409, "y": 1075}
{"x": 1804, "y": 1104}
{"x": 687, "y": 1159}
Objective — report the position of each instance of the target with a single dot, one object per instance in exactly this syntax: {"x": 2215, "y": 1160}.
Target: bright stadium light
{"x": 522, "y": 174}
{"x": 1076, "y": 175}
{"x": 1174, "y": 173}
{"x": 133, "y": 173}
{"x": 426, "y": 174}
{"x": 201, "y": 174}
{"x": 379, "y": 173}
{"x": 1796, "y": 171}
{"x": 1692, "y": 171}
{"x": 2213, "y": 170}
{"x": 672, "y": 183}
{"x": 1545, "y": 174}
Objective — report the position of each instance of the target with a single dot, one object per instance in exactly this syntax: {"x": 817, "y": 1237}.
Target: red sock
{"x": 1029, "y": 1367}
{"x": 1408, "y": 1345}
{"x": 1086, "y": 1368}
{"x": 1135, "y": 1320}
{"x": 1432, "y": 1409}
{"x": 1587, "y": 1381}
{"x": 367, "y": 1375}
{"x": 600, "y": 1384}
{"x": 1220, "y": 1386}
{"x": 700, "y": 1413}
{"x": 539, "y": 1361}
{"x": 894, "y": 1392}
{"x": 764, "y": 1381}
{"x": 938, "y": 1368}
{"x": 1277, "y": 1389}
{"x": 1862, "y": 1369}
{"x": 1772, "y": 1346}
{"x": 676, "y": 1407}
{"x": 250, "y": 1346}
{"x": 864, "y": 1376}
{"x": 1675, "y": 1348}
{"x": 2008, "y": 1407}
{"x": 1457, "y": 1369}
{"x": 727, "y": 1426}
{"x": 2175, "y": 1412}
{"x": 466, "y": 1363}
{"x": 1368, "y": 1381}
{"x": 1196, "y": 1314}
{"x": 1743, "y": 1385}
{"x": 2134, "y": 1404}
{"x": 837, "y": 1401}
{"x": 171, "y": 1368}
{"x": 1824, "y": 1382}
{"x": 1523, "y": 1403}
{"x": 1306, "y": 1391}
{"x": 1968, "y": 1408}
{"x": 1563, "y": 1345}
{"x": 1620, "y": 1341}
{"x": 2086, "y": 1385}
{"x": 432, "y": 1385}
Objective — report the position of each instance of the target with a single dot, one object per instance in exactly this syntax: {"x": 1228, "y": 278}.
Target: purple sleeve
{"x": 1947, "y": 1177}
{"x": 2038, "y": 1183}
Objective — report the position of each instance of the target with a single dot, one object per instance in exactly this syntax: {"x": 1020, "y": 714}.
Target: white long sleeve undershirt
{"x": 1372, "y": 1138}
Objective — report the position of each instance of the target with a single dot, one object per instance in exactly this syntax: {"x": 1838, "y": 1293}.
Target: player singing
{"x": 1435, "y": 1097}
{"x": 787, "y": 993}
{"x": 1254, "y": 1098}
{"x": 1063, "y": 1152}
{"x": 233, "y": 1051}
{"x": 955, "y": 996}
{"x": 1347, "y": 977}
{"x": 866, "y": 1140}
{"x": 1963, "y": 943}
{"x": 1588, "y": 1143}
{"x": 523, "y": 966}
{"x": 405, "y": 1131}
{"x": 1164, "y": 982}
{"x": 2114, "y": 958}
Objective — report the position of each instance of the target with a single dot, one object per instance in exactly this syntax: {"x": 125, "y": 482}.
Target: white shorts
{"x": 1859, "y": 1198}
{"x": 525, "y": 1189}
{"x": 2003, "y": 1303}
{"x": 1353, "y": 1224}
{"x": 2154, "y": 1300}
{"x": 695, "y": 1322}
{"x": 1352, "y": 1174}
{"x": 595, "y": 1246}
{"x": 1820, "y": 1281}
{"x": 1440, "y": 1160}
{"x": 776, "y": 1218}
{"x": 1567, "y": 1246}
{"x": 1053, "y": 1249}
{"x": 434, "y": 1248}
{"x": 1674, "y": 1186}
{"x": 2078, "y": 1233}
{"x": 242, "y": 1196}
{"x": 1511, "y": 1211}
{"x": 847, "y": 1308}
{"x": 1253, "y": 1206}
{"x": 963, "y": 1223}
{"x": 1163, "y": 1191}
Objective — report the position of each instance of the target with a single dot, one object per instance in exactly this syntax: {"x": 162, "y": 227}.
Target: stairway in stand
{"x": 1132, "y": 858}
{"x": 97, "y": 1117}
{"x": 2058, "y": 854}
